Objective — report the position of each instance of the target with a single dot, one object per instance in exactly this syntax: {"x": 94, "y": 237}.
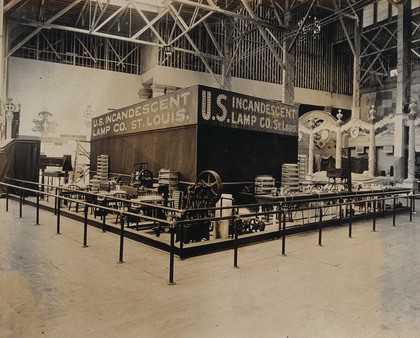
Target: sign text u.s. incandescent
{"x": 203, "y": 106}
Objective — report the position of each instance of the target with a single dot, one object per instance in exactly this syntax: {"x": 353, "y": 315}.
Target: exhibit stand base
{"x": 410, "y": 184}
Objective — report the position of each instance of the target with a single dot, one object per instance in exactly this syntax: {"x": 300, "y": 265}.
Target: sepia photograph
{"x": 209, "y": 168}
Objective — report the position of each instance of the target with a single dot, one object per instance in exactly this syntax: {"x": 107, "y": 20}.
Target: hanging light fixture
{"x": 168, "y": 50}
{"x": 311, "y": 27}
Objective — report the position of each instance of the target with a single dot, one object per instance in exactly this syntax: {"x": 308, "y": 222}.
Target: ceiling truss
{"x": 137, "y": 21}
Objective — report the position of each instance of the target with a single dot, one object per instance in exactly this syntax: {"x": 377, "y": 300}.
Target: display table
{"x": 270, "y": 198}
{"x": 52, "y": 176}
{"x": 327, "y": 201}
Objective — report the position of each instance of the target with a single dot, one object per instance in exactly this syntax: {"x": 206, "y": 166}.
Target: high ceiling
{"x": 137, "y": 21}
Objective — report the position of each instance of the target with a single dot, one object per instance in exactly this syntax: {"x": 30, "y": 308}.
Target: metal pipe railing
{"x": 276, "y": 210}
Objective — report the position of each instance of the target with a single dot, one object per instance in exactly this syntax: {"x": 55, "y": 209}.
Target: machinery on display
{"x": 201, "y": 196}
{"x": 141, "y": 176}
{"x": 246, "y": 226}
{"x": 204, "y": 194}
{"x": 198, "y": 202}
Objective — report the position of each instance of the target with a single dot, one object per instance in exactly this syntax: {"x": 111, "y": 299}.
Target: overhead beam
{"x": 112, "y": 16}
{"x": 23, "y": 41}
{"x": 86, "y": 50}
{"x": 143, "y": 16}
{"x": 39, "y": 26}
{"x": 190, "y": 28}
{"x": 10, "y": 5}
{"x": 288, "y": 72}
{"x": 350, "y": 42}
{"x": 183, "y": 26}
{"x": 103, "y": 10}
{"x": 217, "y": 9}
{"x": 145, "y": 5}
{"x": 151, "y": 23}
{"x": 292, "y": 43}
{"x": 403, "y": 84}
{"x": 356, "y": 109}
{"x": 51, "y": 46}
{"x": 46, "y": 24}
{"x": 264, "y": 36}
{"x": 63, "y": 11}
{"x": 339, "y": 12}
{"x": 213, "y": 39}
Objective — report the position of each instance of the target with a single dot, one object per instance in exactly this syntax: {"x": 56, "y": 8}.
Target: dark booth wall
{"x": 19, "y": 159}
{"x": 241, "y": 155}
{"x": 174, "y": 149}
{"x": 236, "y": 155}
{"x": 196, "y": 129}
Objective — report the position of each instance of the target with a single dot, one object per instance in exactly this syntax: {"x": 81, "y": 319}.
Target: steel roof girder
{"x": 213, "y": 39}
{"x": 146, "y": 20}
{"x": 114, "y": 16}
{"x": 51, "y": 46}
{"x": 103, "y": 10}
{"x": 213, "y": 7}
{"x": 151, "y": 23}
{"x": 63, "y": 11}
{"x": 187, "y": 30}
{"x": 86, "y": 49}
{"x": 10, "y": 5}
{"x": 264, "y": 36}
{"x": 145, "y": 5}
{"x": 183, "y": 26}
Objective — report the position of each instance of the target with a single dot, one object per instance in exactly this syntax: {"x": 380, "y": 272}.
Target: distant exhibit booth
{"x": 196, "y": 129}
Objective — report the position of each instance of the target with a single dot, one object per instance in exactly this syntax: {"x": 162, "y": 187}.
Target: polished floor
{"x": 364, "y": 286}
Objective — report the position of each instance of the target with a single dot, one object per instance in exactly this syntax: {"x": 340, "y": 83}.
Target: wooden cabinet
{"x": 19, "y": 159}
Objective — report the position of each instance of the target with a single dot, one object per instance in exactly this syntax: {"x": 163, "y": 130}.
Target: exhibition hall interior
{"x": 211, "y": 168}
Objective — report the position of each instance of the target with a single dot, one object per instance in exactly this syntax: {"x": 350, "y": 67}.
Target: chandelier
{"x": 309, "y": 27}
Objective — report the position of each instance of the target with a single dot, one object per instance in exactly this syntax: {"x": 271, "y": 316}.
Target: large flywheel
{"x": 145, "y": 178}
{"x": 142, "y": 178}
{"x": 208, "y": 187}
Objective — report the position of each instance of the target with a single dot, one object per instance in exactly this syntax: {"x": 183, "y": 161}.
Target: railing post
{"x": 121, "y": 258}
{"x": 274, "y": 216}
{"x": 181, "y": 242}
{"x": 320, "y": 227}
{"x": 383, "y": 205}
{"x": 374, "y": 215}
{"x": 85, "y": 226}
{"x": 37, "y": 208}
{"x": 56, "y": 206}
{"x": 235, "y": 247}
{"x": 393, "y": 211}
{"x": 104, "y": 222}
{"x": 340, "y": 200}
{"x": 182, "y": 233}
{"x": 7, "y": 198}
{"x": 350, "y": 219}
{"x": 283, "y": 238}
{"x": 20, "y": 201}
{"x": 411, "y": 208}
{"x": 103, "y": 211}
{"x": 172, "y": 256}
{"x": 58, "y": 211}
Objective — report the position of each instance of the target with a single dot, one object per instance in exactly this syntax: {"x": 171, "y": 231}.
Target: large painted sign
{"x": 202, "y": 105}
{"x": 166, "y": 111}
{"x": 227, "y": 109}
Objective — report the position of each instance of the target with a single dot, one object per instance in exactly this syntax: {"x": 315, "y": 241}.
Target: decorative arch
{"x": 324, "y": 129}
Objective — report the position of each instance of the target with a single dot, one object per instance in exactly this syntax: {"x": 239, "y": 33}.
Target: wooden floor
{"x": 364, "y": 286}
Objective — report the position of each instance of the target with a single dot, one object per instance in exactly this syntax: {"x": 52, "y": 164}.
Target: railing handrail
{"x": 280, "y": 206}
{"x": 281, "y": 210}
